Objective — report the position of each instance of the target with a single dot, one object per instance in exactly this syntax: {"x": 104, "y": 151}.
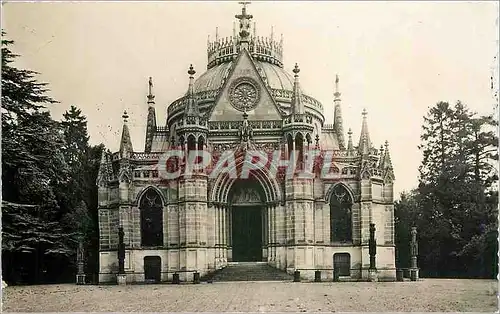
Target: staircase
{"x": 249, "y": 271}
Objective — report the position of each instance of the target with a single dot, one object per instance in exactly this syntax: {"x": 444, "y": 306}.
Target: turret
{"x": 193, "y": 131}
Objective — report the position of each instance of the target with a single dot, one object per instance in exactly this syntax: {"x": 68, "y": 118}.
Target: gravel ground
{"x": 436, "y": 295}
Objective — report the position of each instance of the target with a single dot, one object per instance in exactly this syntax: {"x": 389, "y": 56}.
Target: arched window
{"x": 340, "y": 215}
{"x": 201, "y": 143}
{"x": 299, "y": 147}
{"x": 151, "y": 208}
{"x": 289, "y": 142}
{"x": 191, "y": 143}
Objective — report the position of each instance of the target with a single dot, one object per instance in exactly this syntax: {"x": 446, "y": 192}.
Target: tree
{"x": 32, "y": 168}
{"x": 455, "y": 200}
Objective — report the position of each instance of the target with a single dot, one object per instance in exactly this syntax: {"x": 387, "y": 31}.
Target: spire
{"x": 151, "y": 120}
{"x": 386, "y": 158}
{"x": 151, "y": 97}
{"x": 364, "y": 139}
{"x": 381, "y": 158}
{"x": 350, "y": 147}
{"x": 126, "y": 143}
{"x": 337, "y": 120}
{"x": 102, "y": 175}
{"x": 192, "y": 106}
{"x": 244, "y": 21}
{"x": 297, "y": 105}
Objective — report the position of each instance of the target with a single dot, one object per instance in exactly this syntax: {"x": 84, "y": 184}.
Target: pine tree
{"x": 32, "y": 168}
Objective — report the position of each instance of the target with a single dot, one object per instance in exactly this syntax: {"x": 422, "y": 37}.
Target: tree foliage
{"x": 455, "y": 205}
{"x": 48, "y": 176}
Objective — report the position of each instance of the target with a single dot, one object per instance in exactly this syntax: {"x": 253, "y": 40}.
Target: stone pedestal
{"x": 373, "y": 275}
{"x": 121, "y": 279}
{"x": 80, "y": 279}
{"x": 414, "y": 274}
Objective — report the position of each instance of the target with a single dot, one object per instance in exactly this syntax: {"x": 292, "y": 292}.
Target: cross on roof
{"x": 244, "y": 11}
{"x": 244, "y": 20}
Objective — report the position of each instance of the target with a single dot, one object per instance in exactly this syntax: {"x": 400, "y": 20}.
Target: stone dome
{"x": 213, "y": 79}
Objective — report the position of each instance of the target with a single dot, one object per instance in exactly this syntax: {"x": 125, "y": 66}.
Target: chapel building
{"x": 246, "y": 101}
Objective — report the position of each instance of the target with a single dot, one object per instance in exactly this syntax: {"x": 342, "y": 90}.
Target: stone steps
{"x": 249, "y": 271}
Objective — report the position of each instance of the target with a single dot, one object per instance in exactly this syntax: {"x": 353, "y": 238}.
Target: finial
{"x": 245, "y": 115}
{"x": 191, "y": 71}
{"x": 217, "y": 34}
{"x": 125, "y": 116}
{"x": 316, "y": 139}
{"x": 386, "y": 144}
{"x": 349, "y": 132}
{"x": 381, "y": 149}
{"x": 296, "y": 70}
{"x": 364, "y": 113}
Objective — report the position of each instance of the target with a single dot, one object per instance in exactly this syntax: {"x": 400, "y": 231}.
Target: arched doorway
{"x": 247, "y": 221}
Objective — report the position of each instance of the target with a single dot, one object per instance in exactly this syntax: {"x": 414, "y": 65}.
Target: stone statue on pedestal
{"x": 80, "y": 263}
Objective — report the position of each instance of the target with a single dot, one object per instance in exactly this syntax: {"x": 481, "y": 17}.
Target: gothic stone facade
{"x": 246, "y": 100}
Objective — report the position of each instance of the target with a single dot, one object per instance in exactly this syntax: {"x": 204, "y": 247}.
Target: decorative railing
{"x": 281, "y": 94}
{"x": 146, "y": 156}
{"x": 298, "y": 118}
{"x": 228, "y": 48}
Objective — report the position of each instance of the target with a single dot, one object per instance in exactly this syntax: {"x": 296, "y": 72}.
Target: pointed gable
{"x": 243, "y": 90}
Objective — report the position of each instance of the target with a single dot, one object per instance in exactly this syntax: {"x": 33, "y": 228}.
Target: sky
{"x": 396, "y": 59}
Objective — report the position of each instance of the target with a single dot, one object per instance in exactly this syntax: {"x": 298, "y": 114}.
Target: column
{"x": 413, "y": 254}
{"x": 216, "y": 235}
{"x": 372, "y": 249}
{"x": 326, "y": 222}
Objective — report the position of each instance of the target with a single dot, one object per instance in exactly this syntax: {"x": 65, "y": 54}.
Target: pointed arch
{"x": 151, "y": 217}
{"x": 340, "y": 199}
{"x": 141, "y": 194}
{"x": 224, "y": 182}
{"x": 201, "y": 142}
{"x": 191, "y": 142}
